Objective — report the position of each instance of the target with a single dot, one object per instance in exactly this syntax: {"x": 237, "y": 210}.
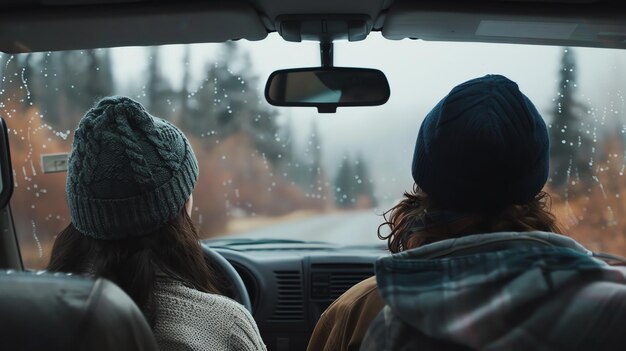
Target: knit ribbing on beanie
{"x": 134, "y": 216}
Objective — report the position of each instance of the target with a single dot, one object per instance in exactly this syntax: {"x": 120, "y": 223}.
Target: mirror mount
{"x": 327, "y": 109}
{"x": 323, "y": 28}
{"x": 327, "y": 58}
{"x": 326, "y": 54}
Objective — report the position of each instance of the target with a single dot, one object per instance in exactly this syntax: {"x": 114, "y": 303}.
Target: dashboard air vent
{"x": 340, "y": 282}
{"x": 289, "y": 302}
{"x": 329, "y": 281}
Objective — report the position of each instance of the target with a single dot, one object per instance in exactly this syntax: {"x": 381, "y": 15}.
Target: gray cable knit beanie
{"x": 129, "y": 172}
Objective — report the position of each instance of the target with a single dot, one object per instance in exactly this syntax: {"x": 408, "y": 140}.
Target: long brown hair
{"x": 413, "y": 224}
{"x": 133, "y": 264}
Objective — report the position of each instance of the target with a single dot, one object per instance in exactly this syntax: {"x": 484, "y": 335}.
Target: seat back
{"x": 54, "y": 311}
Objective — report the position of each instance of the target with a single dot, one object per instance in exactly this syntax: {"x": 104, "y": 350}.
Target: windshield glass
{"x": 291, "y": 173}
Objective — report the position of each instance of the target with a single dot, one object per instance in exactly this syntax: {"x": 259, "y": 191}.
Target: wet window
{"x": 290, "y": 173}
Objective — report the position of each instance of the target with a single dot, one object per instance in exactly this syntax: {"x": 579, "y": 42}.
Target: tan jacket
{"x": 343, "y": 325}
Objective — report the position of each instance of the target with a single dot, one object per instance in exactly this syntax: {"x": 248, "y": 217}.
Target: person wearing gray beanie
{"x": 129, "y": 173}
{"x": 129, "y": 184}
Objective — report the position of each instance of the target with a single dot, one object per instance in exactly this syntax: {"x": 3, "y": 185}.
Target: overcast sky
{"x": 420, "y": 74}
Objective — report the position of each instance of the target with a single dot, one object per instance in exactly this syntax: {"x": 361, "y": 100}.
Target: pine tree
{"x": 3, "y": 61}
{"x": 364, "y": 185}
{"x": 47, "y": 69}
{"x": 11, "y": 87}
{"x": 66, "y": 84}
{"x": 227, "y": 102}
{"x": 99, "y": 77}
{"x": 345, "y": 184}
{"x": 25, "y": 67}
{"x": 183, "y": 95}
{"x": 570, "y": 144}
{"x": 158, "y": 88}
{"x": 318, "y": 181}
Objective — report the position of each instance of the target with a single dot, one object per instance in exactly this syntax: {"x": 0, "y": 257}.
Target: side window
{"x": 30, "y": 92}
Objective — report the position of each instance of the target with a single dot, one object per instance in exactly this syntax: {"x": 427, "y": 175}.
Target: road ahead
{"x": 341, "y": 228}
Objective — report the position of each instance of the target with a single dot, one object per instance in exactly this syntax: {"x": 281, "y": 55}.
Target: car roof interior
{"x": 50, "y": 25}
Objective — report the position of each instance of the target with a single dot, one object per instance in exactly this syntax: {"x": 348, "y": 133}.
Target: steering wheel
{"x": 227, "y": 272}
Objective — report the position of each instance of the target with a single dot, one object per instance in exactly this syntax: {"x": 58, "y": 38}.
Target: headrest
{"x": 55, "y": 311}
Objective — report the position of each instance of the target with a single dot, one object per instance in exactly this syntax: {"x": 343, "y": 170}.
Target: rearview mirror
{"x": 327, "y": 87}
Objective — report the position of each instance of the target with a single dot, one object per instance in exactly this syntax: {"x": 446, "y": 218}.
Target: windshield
{"x": 293, "y": 174}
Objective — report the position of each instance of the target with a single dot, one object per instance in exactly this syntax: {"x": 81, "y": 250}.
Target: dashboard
{"x": 291, "y": 283}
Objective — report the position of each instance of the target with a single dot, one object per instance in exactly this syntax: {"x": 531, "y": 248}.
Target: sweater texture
{"x": 187, "y": 319}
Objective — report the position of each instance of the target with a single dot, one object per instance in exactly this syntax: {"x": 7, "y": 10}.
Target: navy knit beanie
{"x": 129, "y": 172}
{"x": 483, "y": 147}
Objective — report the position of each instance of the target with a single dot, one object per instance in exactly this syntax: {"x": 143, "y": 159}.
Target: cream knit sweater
{"x": 188, "y": 319}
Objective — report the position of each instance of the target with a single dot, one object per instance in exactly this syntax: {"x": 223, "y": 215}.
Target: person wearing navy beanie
{"x": 484, "y": 146}
{"x": 480, "y": 163}
{"x": 479, "y": 261}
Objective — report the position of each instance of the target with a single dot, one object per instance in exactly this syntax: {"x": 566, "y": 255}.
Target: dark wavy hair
{"x": 413, "y": 223}
{"x": 134, "y": 263}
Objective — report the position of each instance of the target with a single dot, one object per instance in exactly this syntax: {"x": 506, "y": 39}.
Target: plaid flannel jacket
{"x": 501, "y": 291}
